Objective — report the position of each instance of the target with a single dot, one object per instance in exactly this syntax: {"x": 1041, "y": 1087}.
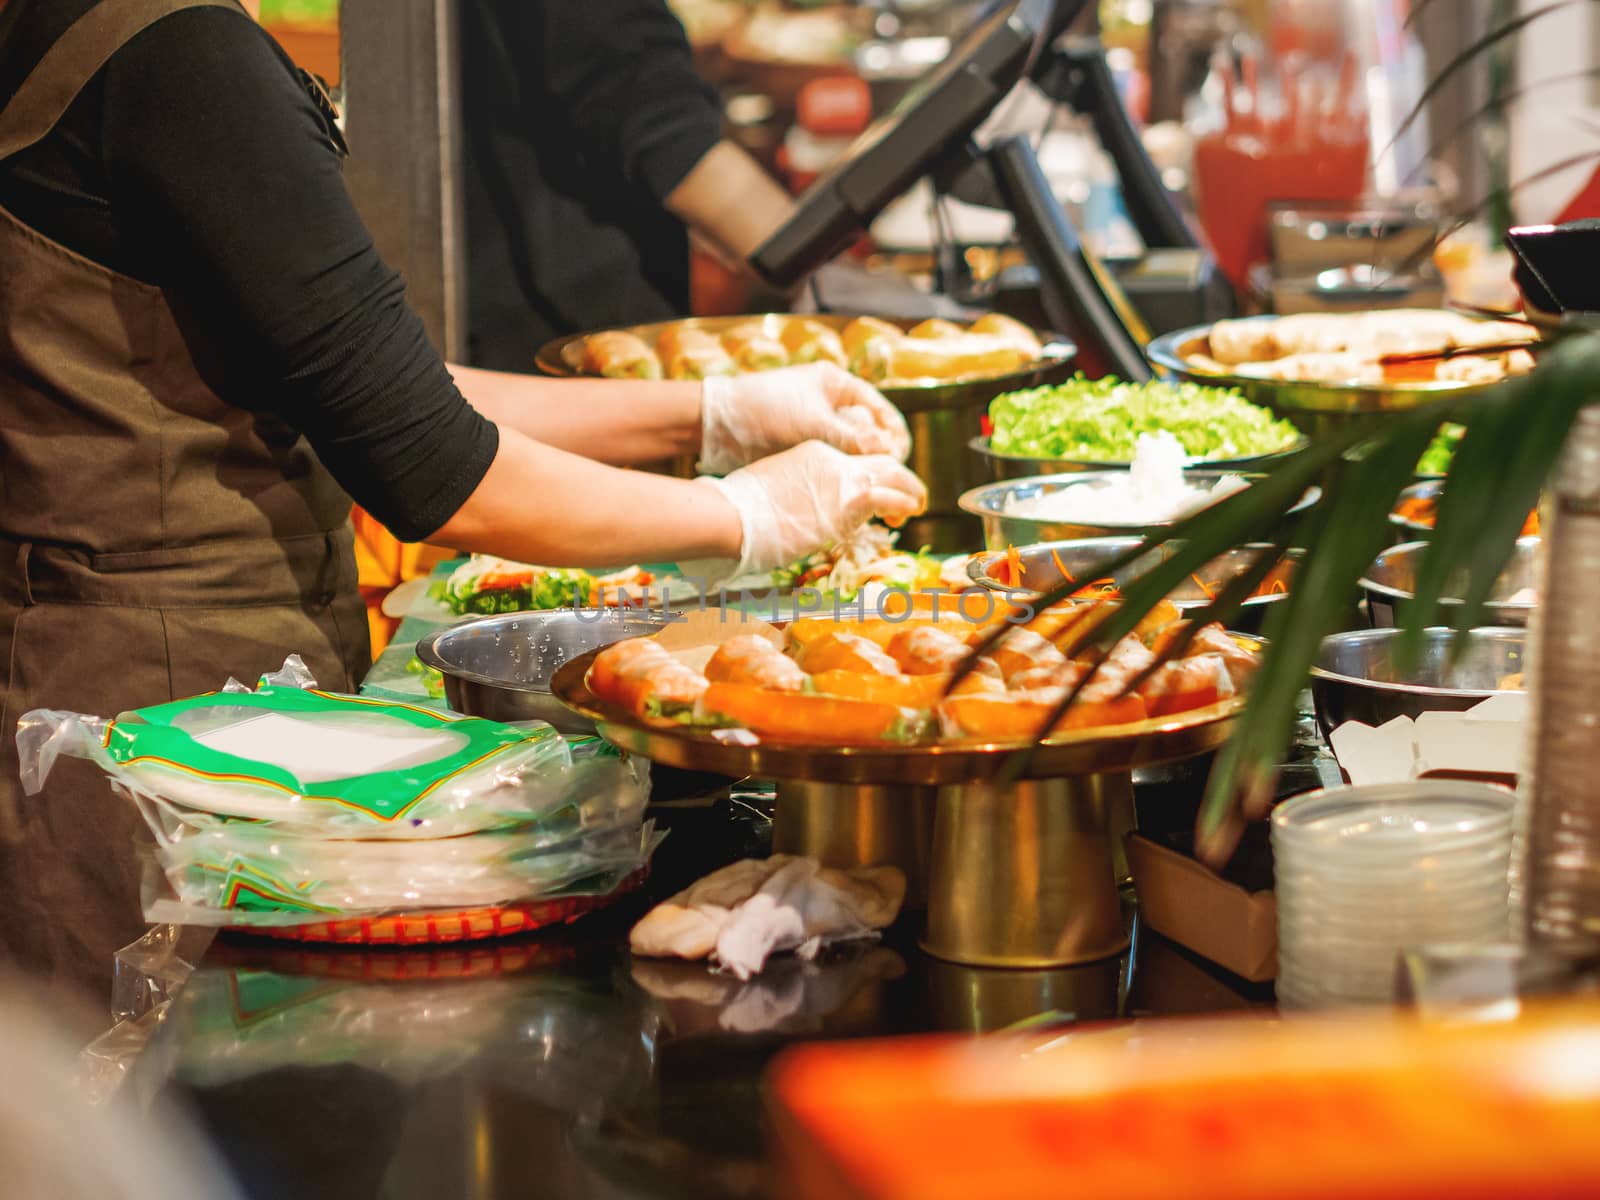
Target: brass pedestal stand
{"x": 1020, "y": 875}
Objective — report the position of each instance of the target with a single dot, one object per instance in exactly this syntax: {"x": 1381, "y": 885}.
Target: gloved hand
{"x": 746, "y": 417}
{"x": 797, "y": 502}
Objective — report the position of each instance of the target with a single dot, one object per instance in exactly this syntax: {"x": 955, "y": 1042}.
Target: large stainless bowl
{"x": 1016, "y": 466}
{"x": 1001, "y": 529}
{"x": 1046, "y": 566}
{"x": 500, "y": 667}
{"x": 1392, "y": 578}
{"x": 1355, "y": 678}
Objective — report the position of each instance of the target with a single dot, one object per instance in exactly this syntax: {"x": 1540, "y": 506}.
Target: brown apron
{"x": 154, "y": 541}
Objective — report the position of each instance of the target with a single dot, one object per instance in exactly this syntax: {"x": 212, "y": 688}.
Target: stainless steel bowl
{"x": 1415, "y": 531}
{"x": 1001, "y": 529}
{"x": 1392, "y": 578}
{"x": 500, "y": 667}
{"x": 1014, "y": 466}
{"x": 1355, "y": 678}
{"x": 1046, "y": 566}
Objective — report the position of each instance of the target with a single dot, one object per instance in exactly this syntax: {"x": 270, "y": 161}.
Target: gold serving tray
{"x": 1171, "y": 352}
{"x": 562, "y": 358}
{"x": 1117, "y": 748}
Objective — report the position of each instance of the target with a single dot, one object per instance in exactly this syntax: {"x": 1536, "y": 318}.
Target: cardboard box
{"x": 1195, "y": 907}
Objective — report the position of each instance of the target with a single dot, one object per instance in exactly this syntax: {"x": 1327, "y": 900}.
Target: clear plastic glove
{"x": 795, "y": 503}
{"x": 746, "y": 417}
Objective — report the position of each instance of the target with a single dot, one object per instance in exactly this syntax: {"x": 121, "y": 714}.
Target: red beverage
{"x": 1237, "y": 176}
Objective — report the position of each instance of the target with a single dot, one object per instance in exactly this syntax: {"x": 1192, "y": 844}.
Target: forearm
{"x": 542, "y": 505}
{"x": 611, "y": 421}
{"x": 731, "y": 200}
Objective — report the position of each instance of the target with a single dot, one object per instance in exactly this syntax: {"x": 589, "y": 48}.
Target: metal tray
{"x": 558, "y": 358}
{"x": 1170, "y": 353}
{"x": 1085, "y": 752}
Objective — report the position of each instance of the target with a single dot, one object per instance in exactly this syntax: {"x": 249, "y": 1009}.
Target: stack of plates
{"x": 1365, "y": 873}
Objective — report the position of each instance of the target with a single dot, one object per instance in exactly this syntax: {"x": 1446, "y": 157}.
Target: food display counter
{"x": 556, "y": 1065}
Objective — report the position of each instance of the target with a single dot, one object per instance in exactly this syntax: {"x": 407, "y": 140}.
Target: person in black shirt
{"x": 590, "y": 144}
{"x": 199, "y": 347}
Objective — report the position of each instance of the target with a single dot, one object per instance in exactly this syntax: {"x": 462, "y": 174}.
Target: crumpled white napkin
{"x": 741, "y": 914}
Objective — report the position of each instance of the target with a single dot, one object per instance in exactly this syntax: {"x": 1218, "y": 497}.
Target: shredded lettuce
{"x": 1436, "y": 459}
{"x": 1100, "y": 421}
{"x": 432, "y": 681}
{"x": 550, "y": 588}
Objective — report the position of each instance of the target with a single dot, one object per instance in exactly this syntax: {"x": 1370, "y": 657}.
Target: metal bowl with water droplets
{"x": 500, "y": 667}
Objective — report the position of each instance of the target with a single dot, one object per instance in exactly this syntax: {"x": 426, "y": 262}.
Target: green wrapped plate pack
{"x": 288, "y": 803}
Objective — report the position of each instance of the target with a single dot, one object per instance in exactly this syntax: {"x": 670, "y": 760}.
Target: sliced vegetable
{"x": 1100, "y": 421}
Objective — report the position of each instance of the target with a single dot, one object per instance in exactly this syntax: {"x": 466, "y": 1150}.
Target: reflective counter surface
{"x": 555, "y": 1066}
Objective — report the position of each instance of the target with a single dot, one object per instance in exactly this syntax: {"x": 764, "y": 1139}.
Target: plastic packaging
{"x": 318, "y": 764}
{"x": 286, "y": 805}
{"x": 247, "y": 876}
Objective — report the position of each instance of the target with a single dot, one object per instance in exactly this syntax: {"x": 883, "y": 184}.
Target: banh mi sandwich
{"x": 862, "y": 333}
{"x": 754, "y": 348}
{"x": 912, "y": 359}
{"x": 934, "y": 328}
{"x": 690, "y": 353}
{"x": 1011, "y": 330}
{"x": 1350, "y": 347}
{"x": 809, "y": 341}
{"x": 619, "y": 355}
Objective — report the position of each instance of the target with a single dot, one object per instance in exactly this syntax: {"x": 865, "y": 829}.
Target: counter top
{"x": 554, "y": 1065}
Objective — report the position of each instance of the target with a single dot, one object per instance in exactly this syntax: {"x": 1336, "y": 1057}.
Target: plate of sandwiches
{"x": 906, "y": 360}
{"x": 1356, "y": 361}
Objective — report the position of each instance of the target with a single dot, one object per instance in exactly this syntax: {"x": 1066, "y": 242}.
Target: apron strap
{"x": 75, "y": 58}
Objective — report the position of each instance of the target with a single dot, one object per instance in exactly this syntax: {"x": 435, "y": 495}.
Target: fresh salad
{"x": 868, "y": 561}
{"x": 1101, "y": 420}
{"x": 482, "y": 586}
{"x": 432, "y": 682}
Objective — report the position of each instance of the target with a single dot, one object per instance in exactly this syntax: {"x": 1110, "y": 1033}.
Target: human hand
{"x": 808, "y": 497}
{"x": 745, "y": 417}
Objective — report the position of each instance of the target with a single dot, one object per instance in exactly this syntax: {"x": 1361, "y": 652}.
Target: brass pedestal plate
{"x": 1018, "y": 874}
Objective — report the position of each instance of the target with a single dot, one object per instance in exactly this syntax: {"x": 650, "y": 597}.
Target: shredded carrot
{"x": 1278, "y": 588}
{"x": 1204, "y": 587}
{"x": 1103, "y": 588}
{"x": 1062, "y": 567}
{"x": 1014, "y": 560}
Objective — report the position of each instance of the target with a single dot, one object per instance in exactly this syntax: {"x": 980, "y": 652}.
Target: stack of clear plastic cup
{"x": 1365, "y": 873}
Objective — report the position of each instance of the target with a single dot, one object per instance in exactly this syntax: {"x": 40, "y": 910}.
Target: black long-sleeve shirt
{"x": 196, "y": 160}
{"x": 581, "y": 117}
